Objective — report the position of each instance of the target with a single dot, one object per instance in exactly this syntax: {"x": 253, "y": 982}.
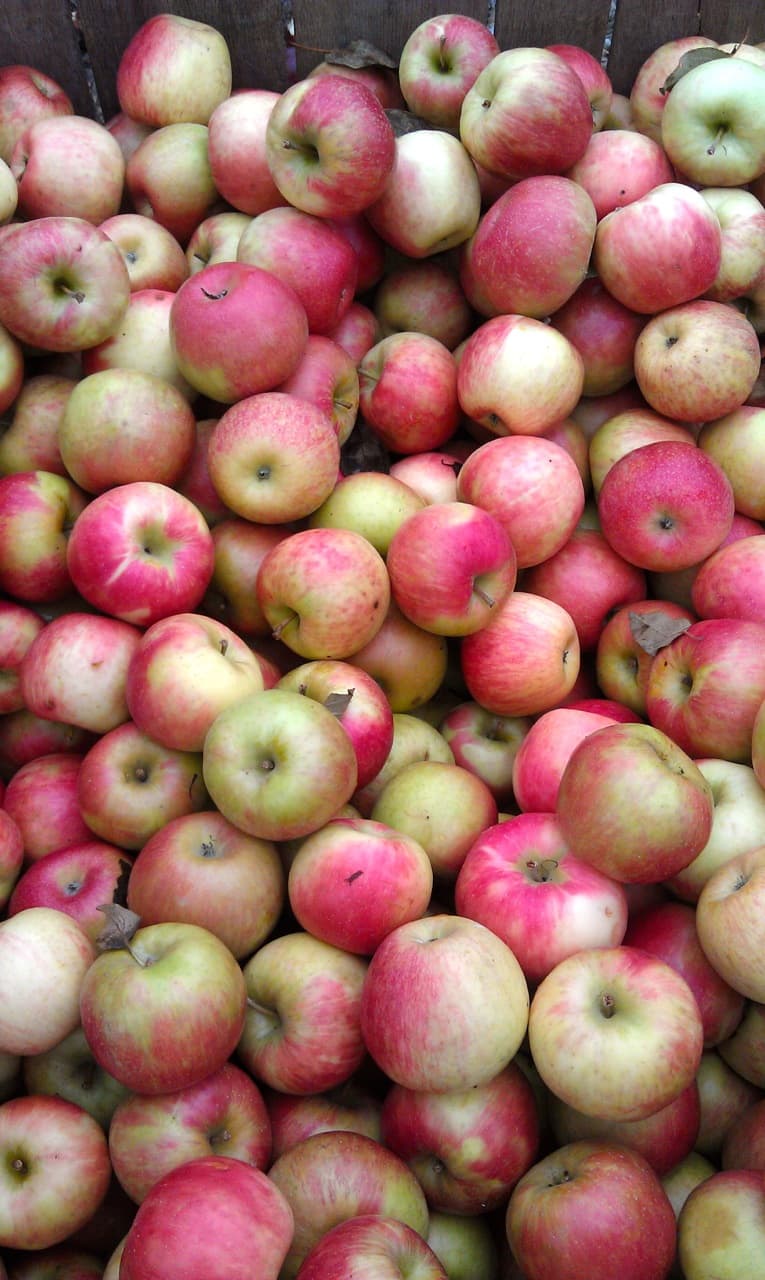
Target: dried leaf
{"x": 121, "y": 924}
{"x": 692, "y": 58}
{"x": 406, "y": 121}
{"x": 654, "y": 631}
{"x": 360, "y": 53}
{"x": 337, "y": 703}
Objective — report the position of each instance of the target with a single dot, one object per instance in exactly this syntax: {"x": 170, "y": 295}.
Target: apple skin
{"x": 646, "y": 99}
{"x": 697, "y": 145}
{"x": 720, "y": 1230}
{"x": 742, "y": 219}
{"x": 152, "y": 255}
{"x": 440, "y": 61}
{"x": 663, "y": 801}
{"x": 30, "y": 442}
{"x": 123, "y": 1008}
{"x": 141, "y": 553}
{"x": 330, "y": 1178}
{"x": 237, "y": 146}
{"x": 619, "y": 166}
{"x": 743, "y": 1147}
{"x": 531, "y": 249}
{"x": 216, "y": 239}
{"x": 295, "y": 1117}
{"x": 461, "y": 1040}
{"x": 725, "y": 1096}
{"x": 731, "y": 583}
{"x": 622, "y": 664}
{"x": 327, "y": 376}
{"x": 414, "y": 738}
{"x": 329, "y": 146}
{"x": 675, "y": 346}
{"x": 11, "y": 856}
{"x": 42, "y": 800}
{"x": 227, "y": 1219}
{"x": 45, "y": 955}
{"x": 264, "y": 313}
{"x": 357, "y": 332}
{"x": 599, "y": 1202}
{"x": 738, "y": 824}
{"x": 439, "y": 1134}
{"x": 173, "y": 69}
{"x": 70, "y": 1071}
{"x": 526, "y": 661}
{"x": 27, "y": 95}
{"x": 648, "y": 510}
{"x": 408, "y": 392}
{"x": 520, "y": 880}
{"x": 192, "y": 662}
{"x": 486, "y": 745}
{"x": 450, "y": 566}
{"x": 58, "y": 1263}
{"x": 725, "y": 440}
{"x": 372, "y": 503}
{"x": 68, "y": 166}
{"x": 615, "y": 1032}
{"x": 540, "y": 122}
{"x": 37, "y": 509}
{"x": 604, "y": 333}
{"x": 424, "y": 295}
{"x": 729, "y": 922}
{"x": 55, "y": 1171}
{"x": 11, "y": 369}
{"x": 638, "y": 253}
{"x": 663, "y": 1139}
{"x": 706, "y": 687}
{"x": 545, "y": 751}
{"x": 223, "y": 1115}
{"x": 64, "y": 285}
{"x": 306, "y": 764}
{"x": 200, "y": 869}
{"x": 143, "y": 345}
{"x": 76, "y": 880}
{"x": 500, "y": 380}
{"x": 378, "y": 1245}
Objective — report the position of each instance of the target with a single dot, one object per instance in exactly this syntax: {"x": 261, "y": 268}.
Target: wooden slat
{"x": 725, "y": 20}
{"x": 640, "y": 27}
{"x": 386, "y": 24}
{"x": 43, "y": 36}
{"x": 552, "y": 22}
{"x": 254, "y": 33}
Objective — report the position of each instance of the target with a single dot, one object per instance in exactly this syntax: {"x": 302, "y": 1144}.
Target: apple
{"x": 520, "y": 880}
{"x": 274, "y": 457}
{"x": 192, "y": 665}
{"x": 540, "y": 119}
{"x": 310, "y": 256}
{"x": 194, "y": 481}
{"x": 331, "y": 1178}
{"x": 141, "y": 552}
{"x": 45, "y": 955}
{"x": 69, "y": 1071}
{"x": 742, "y": 219}
{"x": 615, "y": 1032}
{"x": 37, "y": 511}
{"x": 439, "y": 62}
{"x": 200, "y": 869}
{"x": 173, "y": 69}
{"x": 729, "y": 584}
{"x": 724, "y": 440}
{"x": 64, "y": 285}
{"x": 30, "y": 441}
{"x": 311, "y": 620}
{"x": 143, "y": 344}
{"x": 618, "y": 166}
{"x": 216, "y": 239}
{"x": 129, "y": 786}
{"x": 743, "y": 1145}
{"x": 733, "y": 1197}
{"x": 215, "y": 1213}
{"x": 55, "y": 1170}
{"x": 539, "y": 221}
{"x": 9, "y": 193}
{"x": 663, "y": 1139}
{"x": 486, "y": 745}
{"x": 711, "y": 129}
{"x": 414, "y": 738}
{"x": 233, "y": 298}
{"x": 424, "y": 295}
{"x": 604, "y": 333}
{"x": 302, "y": 1032}
{"x": 24, "y": 736}
{"x": 628, "y": 430}
{"x": 518, "y": 375}
{"x": 326, "y": 376}
{"x": 239, "y": 547}
{"x": 633, "y": 804}
{"x": 466, "y": 1246}
{"x": 153, "y": 257}
{"x": 636, "y": 249}
{"x": 728, "y": 919}
{"x": 687, "y": 1174}
{"x": 622, "y": 662}
{"x": 128, "y": 133}
{"x": 42, "y": 800}
{"x": 237, "y": 148}
{"x": 19, "y": 626}
{"x": 408, "y": 392}
{"x": 11, "y": 855}
{"x": 372, "y": 503}
{"x": 27, "y": 95}
{"x": 706, "y": 687}
{"x": 527, "y": 659}
{"x": 422, "y": 1017}
{"x": 431, "y": 200}
{"x": 647, "y": 96}
{"x": 545, "y": 751}
{"x": 223, "y": 1115}
{"x": 329, "y": 145}
{"x": 168, "y": 178}
{"x": 367, "y": 246}
{"x": 381, "y": 1245}
{"x": 602, "y": 1205}
{"x": 357, "y": 331}
{"x": 674, "y": 368}
{"x": 738, "y": 824}
{"x": 648, "y": 509}
{"x": 431, "y": 473}
{"x": 278, "y": 765}
{"x": 11, "y": 369}
{"x": 68, "y": 166}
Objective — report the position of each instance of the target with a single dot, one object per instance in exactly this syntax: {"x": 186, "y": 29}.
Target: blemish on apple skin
{"x": 353, "y": 876}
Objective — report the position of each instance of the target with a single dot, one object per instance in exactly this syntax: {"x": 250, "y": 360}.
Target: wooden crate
{"x": 45, "y": 34}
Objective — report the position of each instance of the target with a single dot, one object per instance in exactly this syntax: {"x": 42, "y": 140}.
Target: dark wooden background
{"x": 44, "y": 34}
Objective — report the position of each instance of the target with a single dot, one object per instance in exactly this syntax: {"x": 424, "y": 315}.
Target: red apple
{"x": 173, "y": 69}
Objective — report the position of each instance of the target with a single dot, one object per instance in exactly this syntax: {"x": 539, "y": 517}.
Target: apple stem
{"x": 76, "y": 294}
{"x": 484, "y": 595}
{"x": 442, "y": 63}
{"x": 712, "y": 148}
{"x": 223, "y": 646}
{"x": 343, "y": 404}
{"x": 607, "y": 1005}
{"x": 277, "y": 631}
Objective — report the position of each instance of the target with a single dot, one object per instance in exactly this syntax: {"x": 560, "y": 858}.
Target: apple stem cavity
{"x": 607, "y": 1004}
{"x": 542, "y": 871}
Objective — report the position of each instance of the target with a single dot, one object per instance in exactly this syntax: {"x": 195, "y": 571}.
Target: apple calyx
{"x": 558, "y": 1179}
{"x": 18, "y": 1166}
{"x": 542, "y": 871}
{"x": 606, "y": 1004}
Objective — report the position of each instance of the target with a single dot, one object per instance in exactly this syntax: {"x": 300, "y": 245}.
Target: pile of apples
{"x": 382, "y": 667}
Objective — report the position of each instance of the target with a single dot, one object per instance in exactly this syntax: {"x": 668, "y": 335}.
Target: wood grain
{"x": 640, "y": 27}
{"x": 739, "y": 20}
{"x": 554, "y": 22}
{"x": 43, "y": 36}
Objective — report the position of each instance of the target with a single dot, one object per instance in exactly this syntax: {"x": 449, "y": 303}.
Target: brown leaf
{"x": 121, "y": 924}
{"x": 360, "y": 53}
{"x": 690, "y": 59}
{"x": 337, "y": 703}
{"x": 654, "y": 631}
